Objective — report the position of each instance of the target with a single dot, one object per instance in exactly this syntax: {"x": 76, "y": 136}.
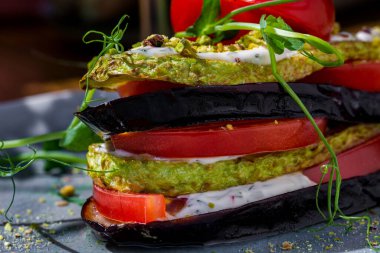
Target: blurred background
{"x": 40, "y": 40}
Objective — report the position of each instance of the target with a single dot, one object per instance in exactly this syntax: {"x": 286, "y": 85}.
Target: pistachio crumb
{"x": 61, "y": 203}
{"x": 211, "y": 205}
{"x": 28, "y": 231}
{"x": 29, "y": 211}
{"x": 67, "y": 191}
{"x": 328, "y": 247}
{"x": 41, "y": 200}
{"x": 249, "y": 251}
{"x": 8, "y": 227}
{"x": 1, "y": 237}
{"x": 287, "y": 245}
{"x": 230, "y": 127}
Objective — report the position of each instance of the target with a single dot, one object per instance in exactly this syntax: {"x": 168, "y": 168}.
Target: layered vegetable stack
{"x": 205, "y": 130}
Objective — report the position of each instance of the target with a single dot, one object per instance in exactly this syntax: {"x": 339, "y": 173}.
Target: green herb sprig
{"x": 77, "y": 137}
{"x": 209, "y": 19}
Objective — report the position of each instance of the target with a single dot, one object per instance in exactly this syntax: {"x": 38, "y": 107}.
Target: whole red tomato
{"x": 314, "y": 17}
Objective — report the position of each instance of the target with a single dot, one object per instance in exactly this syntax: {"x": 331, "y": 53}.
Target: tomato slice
{"x": 361, "y": 75}
{"x": 358, "y": 161}
{"x": 315, "y": 17}
{"x": 133, "y": 88}
{"x": 221, "y": 138}
{"x": 126, "y": 207}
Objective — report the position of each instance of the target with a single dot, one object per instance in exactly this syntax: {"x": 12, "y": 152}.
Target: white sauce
{"x": 154, "y": 51}
{"x": 258, "y": 56}
{"x": 200, "y": 203}
{"x": 365, "y": 35}
{"x": 201, "y": 160}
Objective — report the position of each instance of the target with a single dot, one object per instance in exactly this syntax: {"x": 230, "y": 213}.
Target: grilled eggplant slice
{"x": 193, "y": 105}
{"x": 284, "y": 213}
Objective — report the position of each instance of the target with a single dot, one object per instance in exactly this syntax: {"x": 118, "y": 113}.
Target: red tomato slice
{"x": 361, "y": 75}
{"x": 315, "y": 17}
{"x": 140, "y": 87}
{"x": 125, "y": 207}
{"x": 358, "y": 161}
{"x": 221, "y": 139}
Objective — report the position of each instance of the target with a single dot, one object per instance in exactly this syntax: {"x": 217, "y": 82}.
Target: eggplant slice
{"x": 280, "y": 214}
{"x": 194, "y": 105}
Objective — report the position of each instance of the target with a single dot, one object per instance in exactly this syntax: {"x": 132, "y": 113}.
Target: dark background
{"x": 40, "y": 40}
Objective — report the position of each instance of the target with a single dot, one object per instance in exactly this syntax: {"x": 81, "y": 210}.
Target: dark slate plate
{"x": 60, "y": 229}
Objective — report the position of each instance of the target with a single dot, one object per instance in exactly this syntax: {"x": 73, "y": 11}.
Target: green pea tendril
{"x": 73, "y": 135}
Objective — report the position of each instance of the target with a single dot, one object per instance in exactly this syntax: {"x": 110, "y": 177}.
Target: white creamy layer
{"x": 200, "y": 203}
{"x": 258, "y": 56}
{"x": 364, "y": 35}
{"x": 201, "y": 160}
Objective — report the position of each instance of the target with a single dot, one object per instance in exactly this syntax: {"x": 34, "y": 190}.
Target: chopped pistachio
{"x": 67, "y": 191}
{"x": 8, "y": 227}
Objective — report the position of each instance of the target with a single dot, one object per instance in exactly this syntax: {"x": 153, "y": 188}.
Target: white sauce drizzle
{"x": 365, "y": 35}
{"x": 213, "y": 201}
{"x": 201, "y": 160}
{"x": 257, "y": 56}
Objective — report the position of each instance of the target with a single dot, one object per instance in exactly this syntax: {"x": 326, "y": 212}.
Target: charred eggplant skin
{"x": 193, "y": 105}
{"x": 284, "y": 213}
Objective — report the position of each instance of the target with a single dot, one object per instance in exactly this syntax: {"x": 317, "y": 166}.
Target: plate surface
{"x": 60, "y": 229}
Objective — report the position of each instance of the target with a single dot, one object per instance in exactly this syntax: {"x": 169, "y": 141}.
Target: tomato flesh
{"x": 221, "y": 138}
{"x": 361, "y": 75}
{"x": 314, "y": 17}
{"x": 126, "y": 207}
{"x": 358, "y": 161}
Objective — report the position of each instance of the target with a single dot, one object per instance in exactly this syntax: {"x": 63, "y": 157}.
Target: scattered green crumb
{"x": 332, "y": 234}
{"x": 70, "y": 212}
{"x": 248, "y": 251}
{"x": 363, "y": 222}
{"x": 41, "y": 200}
{"x": 211, "y": 205}
{"x": 39, "y": 241}
{"x": 337, "y": 239}
{"x": 1, "y": 237}
{"x": 8, "y": 227}
{"x": 29, "y": 211}
{"x": 52, "y": 231}
{"x": 271, "y": 247}
{"x": 45, "y": 225}
{"x": 17, "y": 216}
{"x": 2, "y": 211}
{"x": 328, "y": 247}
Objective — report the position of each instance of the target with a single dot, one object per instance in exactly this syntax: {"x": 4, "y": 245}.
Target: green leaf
{"x": 210, "y": 13}
{"x": 278, "y": 43}
{"x": 79, "y": 137}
